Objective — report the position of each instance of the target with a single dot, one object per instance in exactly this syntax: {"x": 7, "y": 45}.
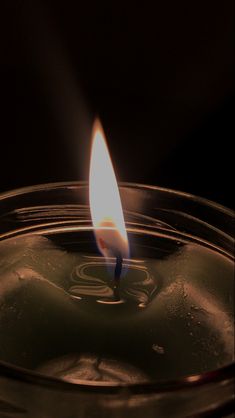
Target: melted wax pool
{"x": 58, "y": 314}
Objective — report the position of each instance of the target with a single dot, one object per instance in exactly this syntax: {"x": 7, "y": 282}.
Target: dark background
{"x": 159, "y": 75}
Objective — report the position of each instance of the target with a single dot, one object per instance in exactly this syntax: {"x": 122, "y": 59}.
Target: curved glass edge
{"x": 226, "y": 373}
{"x": 72, "y": 184}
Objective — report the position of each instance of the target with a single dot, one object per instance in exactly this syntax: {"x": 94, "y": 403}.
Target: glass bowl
{"x": 179, "y": 280}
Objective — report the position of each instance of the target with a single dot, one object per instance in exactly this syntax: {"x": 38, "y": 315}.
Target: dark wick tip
{"x": 118, "y": 267}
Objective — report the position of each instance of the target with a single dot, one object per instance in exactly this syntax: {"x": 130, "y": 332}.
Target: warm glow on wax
{"x": 105, "y": 203}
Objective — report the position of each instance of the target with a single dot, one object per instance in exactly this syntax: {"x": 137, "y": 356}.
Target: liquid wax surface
{"x": 58, "y": 316}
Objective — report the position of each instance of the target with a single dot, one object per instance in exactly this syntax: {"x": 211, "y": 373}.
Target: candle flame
{"x": 105, "y": 202}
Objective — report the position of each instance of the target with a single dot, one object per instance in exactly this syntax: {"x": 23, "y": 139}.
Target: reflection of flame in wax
{"x": 75, "y": 368}
{"x": 139, "y": 286}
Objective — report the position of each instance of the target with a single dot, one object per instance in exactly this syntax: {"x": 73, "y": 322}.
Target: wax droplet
{"x": 158, "y": 349}
{"x": 191, "y": 334}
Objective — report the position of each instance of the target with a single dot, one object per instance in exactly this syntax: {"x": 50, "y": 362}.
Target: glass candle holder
{"x": 70, "y": 348}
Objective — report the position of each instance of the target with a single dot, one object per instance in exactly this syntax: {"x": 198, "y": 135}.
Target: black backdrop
{"x": 159, "y": 75}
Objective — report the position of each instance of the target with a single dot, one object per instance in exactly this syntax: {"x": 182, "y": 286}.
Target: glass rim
{"x": 83, "y": 183}
{"x": 153, "y": 387}
{"x": 11, "y": 371}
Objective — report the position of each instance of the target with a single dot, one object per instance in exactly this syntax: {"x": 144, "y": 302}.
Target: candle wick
{"x": 118, "y": 267}
{"x": 117, "y": 275}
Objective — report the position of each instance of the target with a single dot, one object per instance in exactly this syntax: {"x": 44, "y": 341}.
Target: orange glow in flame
{"x": 105, "y": 202}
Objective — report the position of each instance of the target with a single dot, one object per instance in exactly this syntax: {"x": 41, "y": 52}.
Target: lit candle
{"x": 105, "y": 206}
{"x": 104, "y": 317}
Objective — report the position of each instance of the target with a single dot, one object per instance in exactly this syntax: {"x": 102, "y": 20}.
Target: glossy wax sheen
{"x": 59, "y": 316}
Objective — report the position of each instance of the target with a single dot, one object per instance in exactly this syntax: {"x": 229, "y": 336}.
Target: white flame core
{"x": 105, "y": 202}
